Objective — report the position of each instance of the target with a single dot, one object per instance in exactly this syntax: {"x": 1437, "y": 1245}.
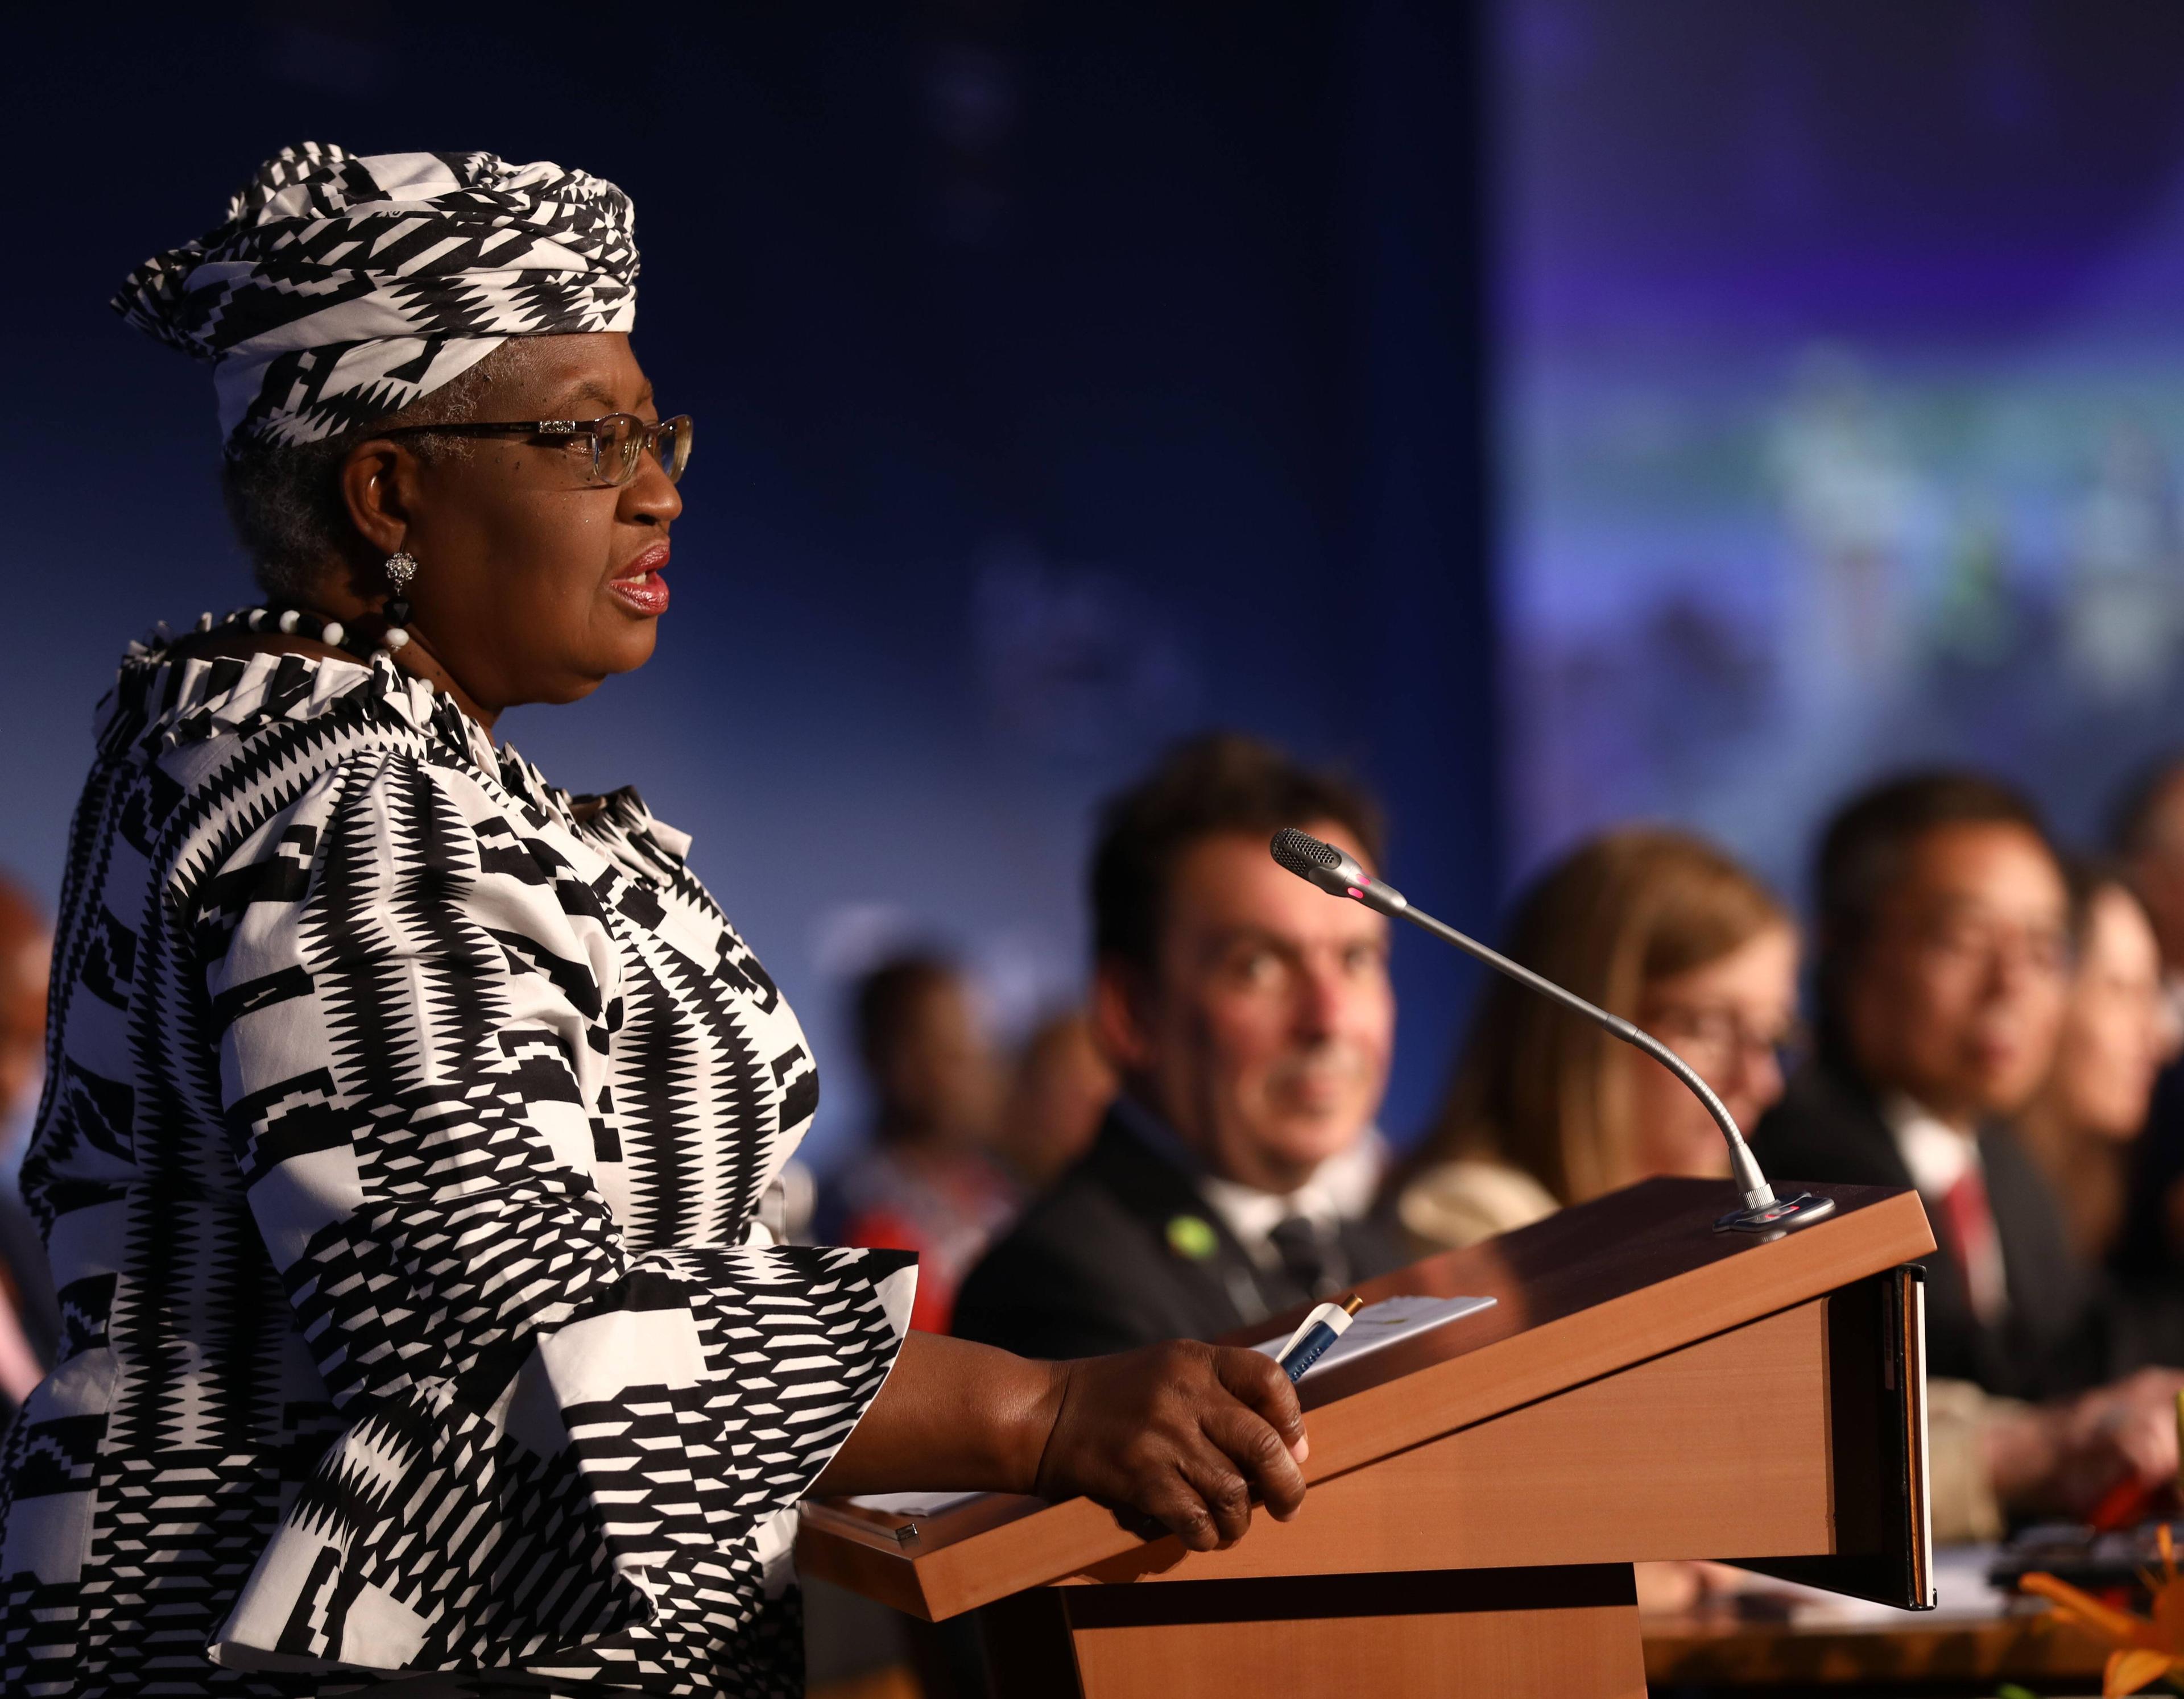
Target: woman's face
{"x": 532, "y": 584}
{"x": 1728, "y": 1019}
{"x": 2116, "y": 1027}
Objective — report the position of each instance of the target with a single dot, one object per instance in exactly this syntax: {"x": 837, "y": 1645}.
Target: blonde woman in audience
{"x": 2118, "y": 1031}
{"x": 1546, "y": 1110}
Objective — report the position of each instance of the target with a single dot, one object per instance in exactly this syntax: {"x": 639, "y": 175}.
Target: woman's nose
{"x": 1751, "y": 1079}
{"x": 1763, "y": 1080}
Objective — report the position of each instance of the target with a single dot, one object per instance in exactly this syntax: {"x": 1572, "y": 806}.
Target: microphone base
{"x": 1784, "y": 1215}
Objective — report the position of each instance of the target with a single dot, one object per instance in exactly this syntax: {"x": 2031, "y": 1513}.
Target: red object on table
{"x": 2128, "y": 1503}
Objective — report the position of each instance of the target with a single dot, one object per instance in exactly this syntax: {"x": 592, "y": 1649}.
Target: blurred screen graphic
{"x": 1841, "y": 355}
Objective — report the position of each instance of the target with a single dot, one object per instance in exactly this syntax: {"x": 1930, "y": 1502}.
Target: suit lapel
{"x": 1211, "y": 1274}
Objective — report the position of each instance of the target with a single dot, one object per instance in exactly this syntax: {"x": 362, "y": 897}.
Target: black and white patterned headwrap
{"x": 341, "y": 289}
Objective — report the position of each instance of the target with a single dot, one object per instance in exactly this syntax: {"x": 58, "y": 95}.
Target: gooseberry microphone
{"x": 1338, "y": 875}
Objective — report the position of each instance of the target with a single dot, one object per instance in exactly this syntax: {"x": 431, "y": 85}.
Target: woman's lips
{"x": 641, "y": 588}
{"x": 646, "y": 595}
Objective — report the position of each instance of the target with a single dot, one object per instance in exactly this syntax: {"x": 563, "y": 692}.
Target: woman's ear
{"x": 378, "y": 483}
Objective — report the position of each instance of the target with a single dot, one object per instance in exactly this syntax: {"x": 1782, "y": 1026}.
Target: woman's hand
{"x": 2062, "y": 1458}
{"x": 1184, "y": 1435}
{"x": 1181, "y": 1436}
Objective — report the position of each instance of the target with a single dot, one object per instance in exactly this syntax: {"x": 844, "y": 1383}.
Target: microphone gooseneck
{"x": 1340, "y": 874}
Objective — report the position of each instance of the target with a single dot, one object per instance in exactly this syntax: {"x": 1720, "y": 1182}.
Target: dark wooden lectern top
{"x": 1594, "y": 1291}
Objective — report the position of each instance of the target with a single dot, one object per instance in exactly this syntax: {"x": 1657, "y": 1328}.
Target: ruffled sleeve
{"x": 414, "y": 999}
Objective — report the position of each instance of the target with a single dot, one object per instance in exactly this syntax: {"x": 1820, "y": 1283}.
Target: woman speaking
{"x": 406, "y": 1116}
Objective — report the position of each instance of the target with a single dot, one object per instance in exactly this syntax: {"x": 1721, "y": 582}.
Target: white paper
{"x": 1963, "y": 1595}
{"x": 913, "y": 1504}
{"x": 1384, "y": 1324}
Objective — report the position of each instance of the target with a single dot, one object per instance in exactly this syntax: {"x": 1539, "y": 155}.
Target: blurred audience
{"x": 927, "y": 1180}
{"x": 1945, "y": 973}
{"x": 1060, "y": 1092}
{"x": 2118, "y": 1033}
{"x": 1250, "y": 1019}
{"x": 1548, "y": 1110}
{"x": 30, "y": 1318}
{"x": 1668, "y": 931}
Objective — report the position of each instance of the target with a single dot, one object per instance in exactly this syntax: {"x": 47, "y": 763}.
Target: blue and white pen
{"x": 1314, "y": 1334}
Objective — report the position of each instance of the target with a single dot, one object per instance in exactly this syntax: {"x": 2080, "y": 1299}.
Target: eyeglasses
{"x": 1983, "y": 946}
{"x": 1711, "y": 1038}
{"x": 614, "y": 446}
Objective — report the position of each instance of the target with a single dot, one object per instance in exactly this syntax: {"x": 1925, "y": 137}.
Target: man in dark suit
{"x": 2147, "y": 838}
{"x": 2046, "y": 1336}
{"x": 1250, "y": 1019}
{"x": 1945, "y": 944}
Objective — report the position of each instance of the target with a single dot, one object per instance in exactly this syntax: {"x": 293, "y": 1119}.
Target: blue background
{"x": 1067, "y": 379}
{"x": 1559, "y": 410}
{"x": 1842, "y": 403}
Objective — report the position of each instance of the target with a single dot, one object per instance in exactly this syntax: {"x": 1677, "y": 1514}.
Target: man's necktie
{"x": 1307, "y": 1257}
{"x": 1972, "y": 1236}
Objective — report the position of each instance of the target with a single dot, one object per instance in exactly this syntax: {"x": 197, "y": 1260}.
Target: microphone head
{"x": 1325, "y": 865}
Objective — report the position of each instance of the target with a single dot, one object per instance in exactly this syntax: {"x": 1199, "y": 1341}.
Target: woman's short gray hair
{"x": 284, "y": 500}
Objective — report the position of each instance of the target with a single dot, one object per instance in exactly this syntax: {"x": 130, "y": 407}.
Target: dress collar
{"x": 160, "y": 702}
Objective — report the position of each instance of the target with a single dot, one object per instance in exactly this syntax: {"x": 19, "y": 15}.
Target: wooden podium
{"x": 1644, "y": 1388}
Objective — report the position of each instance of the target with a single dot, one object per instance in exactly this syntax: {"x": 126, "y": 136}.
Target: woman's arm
{"x": 1183, "y": 1433}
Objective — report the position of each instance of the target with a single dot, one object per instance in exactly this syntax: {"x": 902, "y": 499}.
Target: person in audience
{"x": 1060, "y": 1092}
{"x": 29, "y": 1317}
{"x": 1251, "y": 1020}
{"x": 1945, "y": 972}
{"x": 1945, "y": 935}
{"x": 2118, "y": 1033}
{"x": 926, "y": 1182}
{"x": 1546, "y": 1109}
{"x": 2147, "y": 838}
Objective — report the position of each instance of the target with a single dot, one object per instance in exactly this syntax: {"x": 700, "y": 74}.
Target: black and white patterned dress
{"x": 404, "y": 1129}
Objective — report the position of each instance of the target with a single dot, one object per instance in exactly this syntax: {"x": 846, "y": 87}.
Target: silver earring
{"x": 401, "y": 568}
